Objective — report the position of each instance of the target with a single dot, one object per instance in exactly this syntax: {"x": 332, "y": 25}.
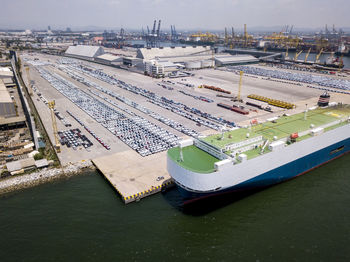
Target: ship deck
{"x": 281, "y": 127}
{"x": 194, "y": 159}
{"x": 197, "y": 160}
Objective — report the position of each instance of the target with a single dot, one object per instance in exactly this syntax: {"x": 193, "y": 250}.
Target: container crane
{"x": 297, "y": 55}
{"x": 307, "y": 55}
{"x": 245, "y": 35}
{"x": 317, "y": 60}
{"x": 54, "y": 126}
{"x": 286, "y": 55}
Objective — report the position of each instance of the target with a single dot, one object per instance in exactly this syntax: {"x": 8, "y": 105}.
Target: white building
{"x": 84, "y": 52}
{"x": 224, "y": 60}
{"x": 159, "y": 68}
{"x": 168, "y": 52}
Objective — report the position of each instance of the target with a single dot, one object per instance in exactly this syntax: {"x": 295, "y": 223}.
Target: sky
{"x": 185, "y": 14}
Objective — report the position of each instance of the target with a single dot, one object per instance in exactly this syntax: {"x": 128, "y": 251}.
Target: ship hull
{"x": 277, "y": 175}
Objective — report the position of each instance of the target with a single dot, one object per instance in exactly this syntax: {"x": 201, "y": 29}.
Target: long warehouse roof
{"x": 85, "y": 50}
{"x": 4, "y": 94}
{"x": 151, "y": 53}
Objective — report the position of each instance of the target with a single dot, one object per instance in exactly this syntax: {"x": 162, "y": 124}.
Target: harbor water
{"x": 83, "y": 219}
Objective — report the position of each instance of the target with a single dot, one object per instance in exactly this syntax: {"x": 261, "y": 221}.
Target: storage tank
{"x": 193, "y": 65}
{"x": 206, "y": 63}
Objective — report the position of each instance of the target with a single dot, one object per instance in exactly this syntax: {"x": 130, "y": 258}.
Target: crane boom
{"x": 318, "y": 56}
{"x": 307, "y": 55}
{"x": 158, "y": 30}
{"x": 154, "y": 27}
{"x": 297, "y": 55}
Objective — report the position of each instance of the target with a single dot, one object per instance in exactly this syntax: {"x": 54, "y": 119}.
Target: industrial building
{"x": 108, "y": 59}
{"x": 132, "y": 61}
{"x": 84, "y": 52}
{"x": 171, "y": 52}
{"x": 7, "y": 106}
{"x": 225, "y": 60}
{"x": 5, "y": 73}
{"x": 160, "y": 68}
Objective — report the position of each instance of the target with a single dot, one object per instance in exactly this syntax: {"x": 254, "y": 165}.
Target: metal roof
{"x": 5, "y": 72}
{"x": 4, "y": 94}
{"x": 41, "y": 163}
{"x": 228, "y": 59}
{"x": 151, "y": 53}
{"x": 109, "y": 57}
{"x": 85, "y": 51}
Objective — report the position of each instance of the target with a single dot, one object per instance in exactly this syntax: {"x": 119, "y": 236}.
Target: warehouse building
{"x": 132, "y": 61}
{"x": 84, "y": 52}
{"x": 225, "y": 60}
{"x": 108, "y": 59}
{"x": 7, "y": 106}
{"x": 5, "y": 73}
{"x": 171, "y": 52}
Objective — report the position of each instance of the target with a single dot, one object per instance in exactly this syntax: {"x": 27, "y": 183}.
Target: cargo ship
{"x": 261, "y": 154}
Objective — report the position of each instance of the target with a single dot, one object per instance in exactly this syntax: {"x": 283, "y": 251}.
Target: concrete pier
{"x": 133, "y": 176}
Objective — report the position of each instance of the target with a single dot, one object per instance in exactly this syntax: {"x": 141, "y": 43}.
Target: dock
{"x": 133, "y": 176}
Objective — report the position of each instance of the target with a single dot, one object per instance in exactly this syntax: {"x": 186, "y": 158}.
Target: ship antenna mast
{"x": 181, "y": 155}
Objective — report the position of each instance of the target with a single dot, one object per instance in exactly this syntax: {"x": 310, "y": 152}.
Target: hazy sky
{"x": 185, "y": 14}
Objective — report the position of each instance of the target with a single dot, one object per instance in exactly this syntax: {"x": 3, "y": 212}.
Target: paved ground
{"x": 130, "y": 173}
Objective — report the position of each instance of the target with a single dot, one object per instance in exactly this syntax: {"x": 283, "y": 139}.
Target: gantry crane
{"x": 307, "y": 55}
{"x": 54, "y": 126}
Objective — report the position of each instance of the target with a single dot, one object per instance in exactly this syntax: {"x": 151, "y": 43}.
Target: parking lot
{"x": 118, "y": 110}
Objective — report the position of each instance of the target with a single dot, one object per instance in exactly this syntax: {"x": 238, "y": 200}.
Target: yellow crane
{"x": 317, "y": 60}
{"x": 30, "y": 90}
{"x": 240, "y": 86}
{"x": 286, "y": 55}
{"x": 54, "y": 126}
{"x": 245, "y": 35}
{"x": 307, "y": 55}
{"x": 297, "y": 55}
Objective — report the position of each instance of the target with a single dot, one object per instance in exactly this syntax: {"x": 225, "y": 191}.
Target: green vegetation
{"x": 194, "y": 158}
{"x": 38, "y": 156}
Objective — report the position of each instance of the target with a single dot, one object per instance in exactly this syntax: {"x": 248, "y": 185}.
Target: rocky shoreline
{"x": 42, "y": 176}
